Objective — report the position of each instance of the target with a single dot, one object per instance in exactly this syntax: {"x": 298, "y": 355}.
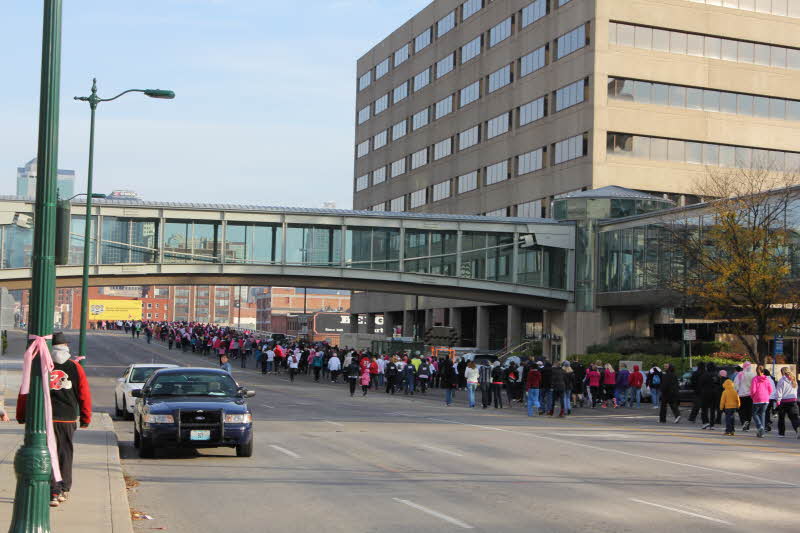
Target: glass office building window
{"x": 365, "y": 81}
{"x": 378, "y": 175}
{"x": 431, "y": 252}
{"x": 400, "y": 92}
{"x": 382, "y": 69}
{"x": 379, "y": 207}
{"x": 532, "y": 111}
{"x": 569, "y": 149}
{"x": 399, "y": 130}
{"x": 363, "y": 115}
{"x": 445, "y": 24}
{"x": 443, "y": 66}
{"x": 251, "y": 243}
{"x": 533, "y": 12}
{"x": 562, "y": 2}
{"x": 532, "y": 62}
{"x": 313, "y": 245}
{"x": 401, "y": 55}
{"x": 500, "y": 78}
{"x": 441, "y": 191}
{"x": 497, "y": 173}
{"x": 497, "y": 126}
{"x": 469, "y": 94}
{"x": 500, "y": 33}
{"x": 710, "y": 46}
{"x": 571, "y": 41}
{"x": 468, "y": 182}
{"x": 444, "y": 107}
{"x": 419, "y": 159}
{"x": 420, "y": 119}
{"x": 572, "y": 94}
{"x": 472, "y": 49}
{"x": 709, "y": 154}
{"x": 398, "y": 205}
{"x": 487, "y": 256}
{"x": 381, "y": 104}
{"x": 17, "y": 251}
{"x": 373, "y": 248}
{"x": 422, "y": 40}
{"x": 418, "y": 198}
{"x": 362, "y": 182}
{"x": 187, "y": 241}
{"x": 470, "y": 7}
{"x": 469, "y": 138}
{"x": 530, "y": 209}
{"x": 442, "y": 149}
{"x": 126, "y": 240}
{"x": 781, "y": 8}
{"x": 362, "y": 149}
{"x": 399, "y": 167}
{"x": 498, "y": 213}
{"x": 423, "y": 79}
{"x": 647, "y": 92}
{"x": 530, "y": 162}
{"x": 380, "y": 140}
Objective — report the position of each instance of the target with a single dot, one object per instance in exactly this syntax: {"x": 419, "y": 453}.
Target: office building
{"x": 499, "y": 107}
{"x": 26, "y": 181}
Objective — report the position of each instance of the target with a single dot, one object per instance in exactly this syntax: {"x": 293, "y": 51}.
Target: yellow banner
{"x": 115, "y": 310}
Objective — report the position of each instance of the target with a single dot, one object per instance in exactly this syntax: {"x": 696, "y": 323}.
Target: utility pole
{"x": 32, "y": 462}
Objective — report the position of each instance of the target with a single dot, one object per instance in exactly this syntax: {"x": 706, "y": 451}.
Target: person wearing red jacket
{"x": 71, "y": 401}
{"x": 635, "y": 383}
{"x": 532, "y": 384}
{"x": 593, "y": 377}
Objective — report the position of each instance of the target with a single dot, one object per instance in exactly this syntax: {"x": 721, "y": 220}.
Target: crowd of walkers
{"x": 544, "y": 388}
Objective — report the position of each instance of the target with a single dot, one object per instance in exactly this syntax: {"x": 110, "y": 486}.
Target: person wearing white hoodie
{"x": 786, "y": 395}
{"x": 742, "y": 384}
{"x": 334, "y": 365}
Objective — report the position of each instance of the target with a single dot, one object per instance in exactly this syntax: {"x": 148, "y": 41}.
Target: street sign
{"x": 778, "y": 345}
{"x": 690, "y": 334}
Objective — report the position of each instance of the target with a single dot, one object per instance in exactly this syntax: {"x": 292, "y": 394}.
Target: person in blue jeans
{"x": 471, "y": 374}
{"x": 533, "y": 385}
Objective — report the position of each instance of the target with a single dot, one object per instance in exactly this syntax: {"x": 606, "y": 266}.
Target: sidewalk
{"x": 98, "y": 501}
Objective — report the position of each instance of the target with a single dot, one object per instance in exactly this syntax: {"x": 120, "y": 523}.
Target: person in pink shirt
{"x": 365, "y": 379}
{"x": 609, "y": 383}
{"x": 761, "y": 389}
{"x": 594, "y": 384}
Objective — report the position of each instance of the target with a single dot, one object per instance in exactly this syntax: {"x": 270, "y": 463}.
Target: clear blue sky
{"x": 265, "y": 105}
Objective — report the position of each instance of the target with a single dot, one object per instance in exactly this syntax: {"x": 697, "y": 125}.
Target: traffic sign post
{"x": 690, "y": 335}
{"x": 777, "y": 351}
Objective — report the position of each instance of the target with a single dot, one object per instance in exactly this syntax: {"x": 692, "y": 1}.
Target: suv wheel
{"x": 137, "y": 440}
{"x": 146, "y": 449}
{"x": 246, "y": 449}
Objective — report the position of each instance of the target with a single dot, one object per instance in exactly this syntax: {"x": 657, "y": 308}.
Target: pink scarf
{"x": 39, "y": 347}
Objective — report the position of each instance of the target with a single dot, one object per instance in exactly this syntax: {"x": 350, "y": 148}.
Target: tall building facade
{"x": 499, "y": 107}
{"x": 26, "y": 181}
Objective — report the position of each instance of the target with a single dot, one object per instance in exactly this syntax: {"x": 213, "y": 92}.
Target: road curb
{"x": 118, "y": 505}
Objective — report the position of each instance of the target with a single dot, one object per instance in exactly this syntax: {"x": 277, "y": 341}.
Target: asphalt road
{"x": 326, "y": 462}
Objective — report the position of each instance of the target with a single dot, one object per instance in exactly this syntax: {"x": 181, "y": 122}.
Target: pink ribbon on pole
{"x": 39, "y": 347}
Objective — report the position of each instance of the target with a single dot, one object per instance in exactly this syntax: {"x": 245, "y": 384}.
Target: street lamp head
{"x": 99, "y": 196}
{"x": 160, "y": 93}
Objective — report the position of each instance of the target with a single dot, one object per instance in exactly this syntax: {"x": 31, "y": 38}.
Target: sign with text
{"x": 337, "y": 323}
{"x": 115, "y": 310}
{"x": 690, "y": 334}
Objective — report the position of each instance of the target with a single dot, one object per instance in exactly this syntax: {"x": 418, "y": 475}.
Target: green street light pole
{"x": 93, "y": 100}
{"x": 32, "y": 462}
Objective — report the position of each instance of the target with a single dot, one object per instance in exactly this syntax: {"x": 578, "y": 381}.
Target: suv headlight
{"x": 239, "y": 419}
{"x": 159, "y": 419}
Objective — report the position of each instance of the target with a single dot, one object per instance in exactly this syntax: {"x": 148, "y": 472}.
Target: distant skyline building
{"x": 26, "y": 181}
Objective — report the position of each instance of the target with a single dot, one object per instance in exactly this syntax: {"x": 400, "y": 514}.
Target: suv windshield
{"x": 140, "y": 375}
{"x": 193, "y": 385}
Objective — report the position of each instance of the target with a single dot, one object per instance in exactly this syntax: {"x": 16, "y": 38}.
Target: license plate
{"x": 200, "y": 434}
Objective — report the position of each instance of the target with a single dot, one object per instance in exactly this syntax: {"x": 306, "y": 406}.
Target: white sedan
{"x": 133, "y": 379}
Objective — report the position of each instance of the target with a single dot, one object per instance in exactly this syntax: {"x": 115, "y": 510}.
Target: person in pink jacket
{"x": 761, "y": 389}
{"x": 365, "y": 379}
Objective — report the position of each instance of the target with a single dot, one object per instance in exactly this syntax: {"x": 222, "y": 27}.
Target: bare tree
{"x": 734, "y": 257}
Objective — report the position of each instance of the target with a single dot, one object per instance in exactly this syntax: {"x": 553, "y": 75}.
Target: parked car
{"x": 686, "y": 388}
{"x": 192, "y": 408}
{"x": 133, "y": 379}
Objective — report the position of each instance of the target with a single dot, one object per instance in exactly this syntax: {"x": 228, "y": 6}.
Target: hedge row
{"x": 649, "y": 361}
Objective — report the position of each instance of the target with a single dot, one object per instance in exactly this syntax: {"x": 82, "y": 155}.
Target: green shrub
{"x": 651, "y": 360}
{"x": 637, "y": 345}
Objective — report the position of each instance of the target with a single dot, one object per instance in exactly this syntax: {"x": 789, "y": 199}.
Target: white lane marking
{"x": 681, "y": 511}
{"x": 441, "y": 450}
{"x": 619, "y": 452}
{"x": 333, "y": 423}
{"x": 590, "y": 435}
{"x": 267, "y": 406}
{"x": 454, "y": 521}
{"x": 290, "y": 453}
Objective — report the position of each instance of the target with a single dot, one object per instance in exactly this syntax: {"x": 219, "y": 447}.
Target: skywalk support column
{"x": 388, "y": 324}
{"x": 514, "y": 326}
{"x": 408, "y": 323}
{"x": 32, "y": 462}
{"x": 482, "y": 328}
{"x": 371, "y": 323}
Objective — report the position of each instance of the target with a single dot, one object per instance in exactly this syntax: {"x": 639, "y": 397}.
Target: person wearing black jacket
{"x": 697, "y": 376}
{"x": 449, "y": 380}
{"x": 547, "y": 388}
{"x": 669, "y": 395}
{"x": 708, "y": 385}
{"x": 497, "y": 384}
{"x": 353, "y": 373}
{"x": 558, "y": 388}
{"x": 390, "y": 370}
{"x": 423, "y": 375}
{"x": 462, "y": 374}
{"x": 485, "y": 380}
